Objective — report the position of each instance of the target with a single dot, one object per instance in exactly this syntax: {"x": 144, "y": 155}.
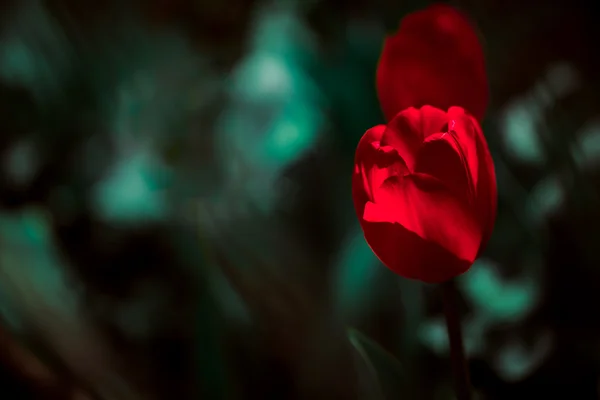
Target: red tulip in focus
{"x": 424, "y": 189}
{"x": 434, "y": 59}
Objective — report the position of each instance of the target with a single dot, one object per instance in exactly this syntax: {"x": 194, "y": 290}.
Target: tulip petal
{"x": 467, "y": 131}
{"x": 435, "y": 59}
{"x": 373, "y": 165}
{"x": 410, "y": 256}
{"x": 409, "y": 128}
{"x": 440, "y": 157}
{"x": 487, "y": 191}
{"x": 424, "y": 206}
{"x": 481, "y": 166}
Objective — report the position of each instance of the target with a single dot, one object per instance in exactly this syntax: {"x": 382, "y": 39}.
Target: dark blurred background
{"x": 176, "y": 218}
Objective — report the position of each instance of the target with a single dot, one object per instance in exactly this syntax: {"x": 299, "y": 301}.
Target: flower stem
{"x": 457, "y": 354}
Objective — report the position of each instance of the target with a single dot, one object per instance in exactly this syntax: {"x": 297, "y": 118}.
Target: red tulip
{"x": 424, "y": 190}
{"x": 434, "y": 59}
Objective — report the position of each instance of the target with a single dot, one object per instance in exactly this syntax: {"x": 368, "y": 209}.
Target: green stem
{"x": 457, "y": 354}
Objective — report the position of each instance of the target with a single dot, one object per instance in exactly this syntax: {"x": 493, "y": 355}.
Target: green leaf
{"x": 381, "y": 375}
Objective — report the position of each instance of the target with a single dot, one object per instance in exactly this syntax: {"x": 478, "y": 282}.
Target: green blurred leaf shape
{"x": 562, "y": 79}
{"x": 21, "y": 163}
{"x": 8, "y": 312}
{"x": 433, "y": 334}
{"x": 520, "y": 132}
{"x": 230, "y": 302}
{"x": 586, "y": 151}
{"x": 499, "y": 300}
{"x": 515, "y": 361}
{"x": 275, "y": 114}
{"x": 355, "y": 106}
{"x": 133, "y": 191}
{"x": 386, "y": 379}
{"x": 521, "y": 120}
{"x": 545, "y": 198}
{"x": 293, "y": 133}
{"x": 42, "y": 293}
{"x": 281, "y": 30}
{"x": 357, "y": 269}
{"x": 157, "y": 86}
{"x": 273, "y": 82}
{"x": 28, "y": 256}
{"x": 35, "y": 52}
